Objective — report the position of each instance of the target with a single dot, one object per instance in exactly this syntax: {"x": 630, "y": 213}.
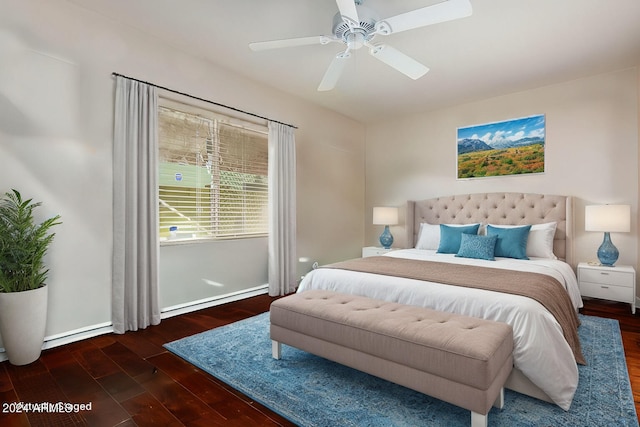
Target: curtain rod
{"x": 204, "y": 100}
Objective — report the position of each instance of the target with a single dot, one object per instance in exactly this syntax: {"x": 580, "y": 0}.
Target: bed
{"x": 545, "y": 364}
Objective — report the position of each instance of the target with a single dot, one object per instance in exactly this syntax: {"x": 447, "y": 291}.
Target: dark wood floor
{"x": 131, "y": 380}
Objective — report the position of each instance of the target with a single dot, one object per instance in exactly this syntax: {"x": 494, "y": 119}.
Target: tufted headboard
{"x": 497, "y": 208}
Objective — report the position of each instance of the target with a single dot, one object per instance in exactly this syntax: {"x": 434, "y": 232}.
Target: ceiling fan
{"x": 356, "y": 26}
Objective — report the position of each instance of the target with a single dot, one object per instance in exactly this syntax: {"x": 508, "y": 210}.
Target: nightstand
{"x": 611, "y": 283}
{"x": 375, "y": 251}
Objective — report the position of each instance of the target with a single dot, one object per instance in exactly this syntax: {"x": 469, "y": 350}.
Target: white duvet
{"x": 540, "y": 350}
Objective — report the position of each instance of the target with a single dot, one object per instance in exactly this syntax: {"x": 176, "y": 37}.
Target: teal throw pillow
{"x": 450, "y": 237}
{"x": 478, "y": 247}
{"x": 512, "y": 242}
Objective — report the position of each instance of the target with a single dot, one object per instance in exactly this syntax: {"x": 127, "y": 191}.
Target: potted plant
{"x": 23, "y": 275}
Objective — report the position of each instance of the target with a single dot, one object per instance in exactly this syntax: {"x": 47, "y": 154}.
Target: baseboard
{"x": 106, "y": 327}
{"x": 213, "y": 301}
{"x": 70, "y": 337}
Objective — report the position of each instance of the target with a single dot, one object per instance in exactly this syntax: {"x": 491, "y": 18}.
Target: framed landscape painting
{"x": 511, "y": 147}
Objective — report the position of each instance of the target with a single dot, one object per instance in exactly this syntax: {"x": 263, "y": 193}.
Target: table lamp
{"x": 608, "y": 218}
{"x": 385, "y": 216}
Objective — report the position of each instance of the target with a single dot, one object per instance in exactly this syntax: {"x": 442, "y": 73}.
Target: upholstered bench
{"x": 459, "y": 359}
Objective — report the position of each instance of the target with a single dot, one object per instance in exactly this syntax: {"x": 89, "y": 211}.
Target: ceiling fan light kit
{"x": 356, "y": 26}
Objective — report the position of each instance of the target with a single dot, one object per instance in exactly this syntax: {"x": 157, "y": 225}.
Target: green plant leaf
{"x": 23, "y": 244}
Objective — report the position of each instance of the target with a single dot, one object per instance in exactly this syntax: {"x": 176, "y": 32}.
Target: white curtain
{"x": 282, "y": 209}
{"x": 135, "y": 303}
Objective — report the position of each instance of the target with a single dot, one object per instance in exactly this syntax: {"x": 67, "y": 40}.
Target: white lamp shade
{"x": 385, "y": 216}
{"x": 608, "y": 218}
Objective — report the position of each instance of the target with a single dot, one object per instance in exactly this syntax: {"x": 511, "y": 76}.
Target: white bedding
{"x": 540, "y": 350}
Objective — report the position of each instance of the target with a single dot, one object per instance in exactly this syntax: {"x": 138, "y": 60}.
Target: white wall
{"x": 591, "y": 153}
{"x": 208, "y": 270}
{"x": 56, "y": 119}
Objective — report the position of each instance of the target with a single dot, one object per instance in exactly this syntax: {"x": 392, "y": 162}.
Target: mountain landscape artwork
{"x": 510, "y": 147}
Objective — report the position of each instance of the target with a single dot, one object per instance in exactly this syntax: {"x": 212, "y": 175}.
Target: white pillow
{"x": 429, "y": 235}
{"x": 540, "y": 241}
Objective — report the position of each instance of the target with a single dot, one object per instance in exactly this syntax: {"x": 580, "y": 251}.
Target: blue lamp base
{"x": 386, "y": 239}
{"x": 607, "y": 252}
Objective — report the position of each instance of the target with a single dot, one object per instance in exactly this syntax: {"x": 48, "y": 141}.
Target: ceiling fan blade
{"x": 398, "y": 60}
{"x": 334, "y": 71}
{"x": 441, "y": 12}
{"x": 349, "y": 12}
{"x": 301, "y": 41}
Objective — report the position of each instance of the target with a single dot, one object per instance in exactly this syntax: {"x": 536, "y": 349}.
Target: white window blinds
{"x": 213, "y": 176}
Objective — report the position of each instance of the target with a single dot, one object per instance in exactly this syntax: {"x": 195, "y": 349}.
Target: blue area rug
{"x": 311, "y": 391}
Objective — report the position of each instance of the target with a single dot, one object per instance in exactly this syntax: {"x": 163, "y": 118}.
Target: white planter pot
{"x": 23, "y": 319}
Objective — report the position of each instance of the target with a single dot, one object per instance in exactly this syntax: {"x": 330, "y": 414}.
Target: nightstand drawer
{"x": 605, "y": 291}
{"x": 612, "y": 283}
{"x": 607, "y": 277}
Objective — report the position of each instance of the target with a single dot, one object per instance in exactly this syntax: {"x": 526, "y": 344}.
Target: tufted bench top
{"x": 460, "y": 348}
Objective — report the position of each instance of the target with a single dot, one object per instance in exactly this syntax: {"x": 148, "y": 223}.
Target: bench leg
{"x": 276, "y": 349}
{"x": 499, "y": 403}
{"x": 478, "y": 420}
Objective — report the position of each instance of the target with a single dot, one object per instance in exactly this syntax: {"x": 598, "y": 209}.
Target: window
{"x": 213, "y": 174}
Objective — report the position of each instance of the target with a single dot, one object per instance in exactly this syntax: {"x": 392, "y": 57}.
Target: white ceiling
{"x": 505, "y": 46}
